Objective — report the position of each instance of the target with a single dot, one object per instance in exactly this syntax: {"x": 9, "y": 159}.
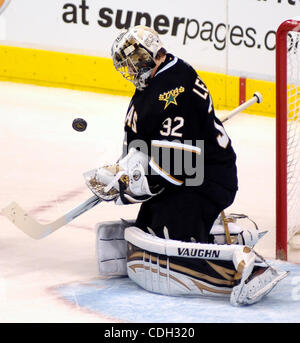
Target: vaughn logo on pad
{"x": 198, "y": 252}
{"x": 3, "y": 5}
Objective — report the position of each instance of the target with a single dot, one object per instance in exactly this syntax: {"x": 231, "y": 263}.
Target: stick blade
{"x": 34, "y": 229}
{"x": 23, "y": 221}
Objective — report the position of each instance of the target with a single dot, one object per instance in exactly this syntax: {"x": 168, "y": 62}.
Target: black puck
{"x": 79, "y": 124}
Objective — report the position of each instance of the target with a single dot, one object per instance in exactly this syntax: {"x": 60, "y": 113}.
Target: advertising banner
{"x": 227, "y": 36}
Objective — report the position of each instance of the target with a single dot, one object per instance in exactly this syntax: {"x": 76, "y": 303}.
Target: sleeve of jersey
{"x": 173, "y": 163}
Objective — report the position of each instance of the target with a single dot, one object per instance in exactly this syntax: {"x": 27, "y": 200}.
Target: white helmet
{"x": 133, "y": 54}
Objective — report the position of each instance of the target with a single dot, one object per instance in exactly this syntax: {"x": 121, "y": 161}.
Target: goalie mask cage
{"x": 287, "y": 137}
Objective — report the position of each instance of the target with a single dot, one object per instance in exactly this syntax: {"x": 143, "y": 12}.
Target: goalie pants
{"x": 187, "y": 212}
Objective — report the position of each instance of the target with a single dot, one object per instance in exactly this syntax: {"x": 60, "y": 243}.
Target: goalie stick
{"x": 257, "y": 97}
{"x": 38, "y": 231}
{"x": 34, "y": 229}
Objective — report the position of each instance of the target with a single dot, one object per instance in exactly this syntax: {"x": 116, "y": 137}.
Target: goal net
{"x": 287, "y": 137}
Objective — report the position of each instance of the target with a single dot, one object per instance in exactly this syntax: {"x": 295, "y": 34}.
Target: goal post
{"x": 287, "y": 135}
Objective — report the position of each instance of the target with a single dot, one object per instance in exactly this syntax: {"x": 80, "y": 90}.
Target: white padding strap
{"x": 170, "y": 247}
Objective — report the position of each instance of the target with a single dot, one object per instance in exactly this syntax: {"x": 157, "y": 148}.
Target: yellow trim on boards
{"x": 268, "y": 92}
{"x": 97, "y": 74}
{"x": 58, "y": 69}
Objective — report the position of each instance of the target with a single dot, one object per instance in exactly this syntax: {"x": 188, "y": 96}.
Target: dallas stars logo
{"x": 170, "y": 96}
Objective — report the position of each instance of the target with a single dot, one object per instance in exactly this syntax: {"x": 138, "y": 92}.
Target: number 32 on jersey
{"x": 202, "y": 91}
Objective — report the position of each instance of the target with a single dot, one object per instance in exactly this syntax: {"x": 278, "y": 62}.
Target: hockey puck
{"x": 79, "y": 124}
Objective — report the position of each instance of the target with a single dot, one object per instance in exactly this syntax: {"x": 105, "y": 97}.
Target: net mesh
{"x": 293, "y": 134}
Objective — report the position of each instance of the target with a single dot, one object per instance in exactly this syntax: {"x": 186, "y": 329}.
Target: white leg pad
{"x": 111, "y": 248}
{"x": 254, "y": 285}
{"x": 157, "y": 277}
{"x": 256, "y": 288}
{"x": 150, "y": 265}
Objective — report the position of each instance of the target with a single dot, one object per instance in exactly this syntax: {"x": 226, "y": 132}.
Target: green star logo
{"x": 170, "y": 96}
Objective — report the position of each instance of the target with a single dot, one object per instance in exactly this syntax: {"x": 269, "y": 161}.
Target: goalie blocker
{"x": 177, "y": 268}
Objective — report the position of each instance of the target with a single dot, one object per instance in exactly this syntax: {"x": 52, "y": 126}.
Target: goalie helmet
{"x": 134, "y": 52}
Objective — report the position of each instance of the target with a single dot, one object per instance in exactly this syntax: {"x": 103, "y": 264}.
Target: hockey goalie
{"x": 170, "y": 266}
{"x": 179, "y": 164}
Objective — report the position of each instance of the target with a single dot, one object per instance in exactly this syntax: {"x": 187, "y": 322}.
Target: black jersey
{"x": 175, "y": 112}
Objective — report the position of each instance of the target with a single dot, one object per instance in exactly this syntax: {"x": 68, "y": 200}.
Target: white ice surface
{"x": 42, "y": 161}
